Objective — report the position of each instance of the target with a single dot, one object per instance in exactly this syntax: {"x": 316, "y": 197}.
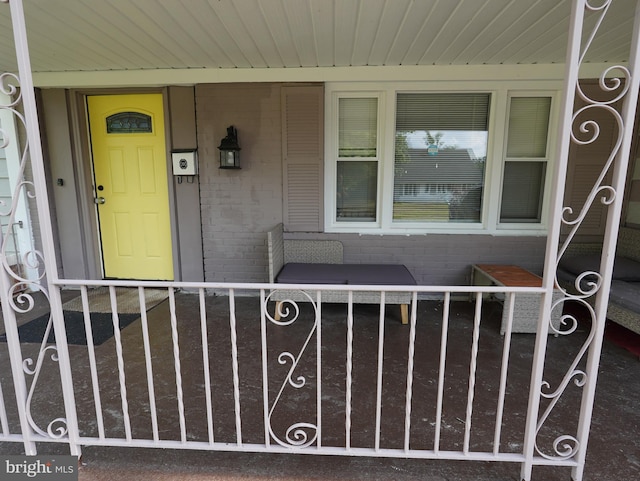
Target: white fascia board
{"x": 162, "y": 77}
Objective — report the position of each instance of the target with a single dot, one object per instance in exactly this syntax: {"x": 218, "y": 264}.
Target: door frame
{"x": 83, "y": 164}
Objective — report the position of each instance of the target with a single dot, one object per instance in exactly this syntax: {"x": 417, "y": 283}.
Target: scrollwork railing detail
{"x": 19, "y": 296}
{"x": 589, "y": 283}
{"x": 299, "y": 434}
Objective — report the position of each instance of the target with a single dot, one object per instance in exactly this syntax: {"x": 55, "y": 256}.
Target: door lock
{"x": 99, "y": 200}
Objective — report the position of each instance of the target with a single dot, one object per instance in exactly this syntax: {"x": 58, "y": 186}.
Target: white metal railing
{"x": 10, "y": 247}
{"x": 110, "y": 367}
{"x": 11, "y": 250}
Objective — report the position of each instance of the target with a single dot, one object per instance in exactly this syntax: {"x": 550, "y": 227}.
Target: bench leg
{"x": 404, "y": 312}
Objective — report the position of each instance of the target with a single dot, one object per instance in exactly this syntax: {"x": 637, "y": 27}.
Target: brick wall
{"x": 239, "y": 206}
{"x": 440, "y": 259}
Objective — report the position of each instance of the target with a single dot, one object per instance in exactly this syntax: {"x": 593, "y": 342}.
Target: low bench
{"x": 320, "y": 262}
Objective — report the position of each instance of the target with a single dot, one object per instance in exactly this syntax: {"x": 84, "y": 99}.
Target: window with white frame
{"x": 526, "y": 156}
{"x": 403, "y": 160}
{"x": 441, "y": 151}
{"x": 357, "y": 165}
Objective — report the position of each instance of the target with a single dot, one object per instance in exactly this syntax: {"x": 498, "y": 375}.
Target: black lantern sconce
{"x": 230, "y": 150}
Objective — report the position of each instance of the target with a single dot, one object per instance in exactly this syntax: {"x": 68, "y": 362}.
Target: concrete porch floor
{"x": 614, "y": 446}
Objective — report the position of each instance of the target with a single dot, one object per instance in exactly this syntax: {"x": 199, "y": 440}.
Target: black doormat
{"x": 101, "y": 326}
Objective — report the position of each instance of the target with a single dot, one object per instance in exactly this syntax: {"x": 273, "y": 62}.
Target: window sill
{"x": 474, "y": 229}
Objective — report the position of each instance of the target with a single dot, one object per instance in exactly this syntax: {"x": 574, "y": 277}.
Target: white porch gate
{"x": 256, "y": 406}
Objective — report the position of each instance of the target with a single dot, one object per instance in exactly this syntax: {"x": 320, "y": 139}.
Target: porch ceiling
{"x": 117, "y": 35}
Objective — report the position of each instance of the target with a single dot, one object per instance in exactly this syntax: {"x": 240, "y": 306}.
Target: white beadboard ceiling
{"x": 117, "y": 35}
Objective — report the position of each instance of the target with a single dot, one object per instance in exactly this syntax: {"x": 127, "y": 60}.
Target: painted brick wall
{"x": 239, "y": 206}
{"x": 439, "y": 259}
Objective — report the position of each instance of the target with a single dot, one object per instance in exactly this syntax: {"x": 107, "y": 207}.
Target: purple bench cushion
{"x": 624, "y": 269}
{"x": 357, "y": 274}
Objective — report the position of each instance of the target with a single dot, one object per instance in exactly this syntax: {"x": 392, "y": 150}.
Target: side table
{"x": 527, "y": 306}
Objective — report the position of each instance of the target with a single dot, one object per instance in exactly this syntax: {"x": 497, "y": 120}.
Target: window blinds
{"x": 523, "y": 181}
{"x": 357, "y": 127}
{"x": 442, "y": 111}
{"x": 528, "y": 127}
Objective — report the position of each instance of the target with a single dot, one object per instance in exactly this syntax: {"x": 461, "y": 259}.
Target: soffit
{"x": 119, "y": 35}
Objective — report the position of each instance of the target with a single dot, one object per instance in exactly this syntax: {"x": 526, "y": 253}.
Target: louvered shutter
{"x": 302, "y": 141}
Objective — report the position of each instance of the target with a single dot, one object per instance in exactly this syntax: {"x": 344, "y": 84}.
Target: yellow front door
{"x": 131, "y": 190}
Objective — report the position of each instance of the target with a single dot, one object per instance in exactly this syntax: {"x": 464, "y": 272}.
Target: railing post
{"x": 572, "y": 448}
{"x": 15, "y": 356}
{"x": 620, "y": 168}
{"x": 48, "y": 249}
{"x": 560, "y": 172}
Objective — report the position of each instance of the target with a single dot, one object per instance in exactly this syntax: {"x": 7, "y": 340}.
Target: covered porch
{"x": 209, "y": 367}
{"x": 447, "y": 387}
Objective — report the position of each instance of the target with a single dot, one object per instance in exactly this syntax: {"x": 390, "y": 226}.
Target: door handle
{"x": 99, "y": 200}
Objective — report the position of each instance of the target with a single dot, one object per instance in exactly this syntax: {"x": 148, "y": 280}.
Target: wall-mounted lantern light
{"x": 230, "y": 150}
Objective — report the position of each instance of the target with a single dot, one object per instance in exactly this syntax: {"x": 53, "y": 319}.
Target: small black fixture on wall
{"x": 230, "y": 150}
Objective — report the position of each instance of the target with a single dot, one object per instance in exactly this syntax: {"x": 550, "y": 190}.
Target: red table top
{"x": 510, "y": 276}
